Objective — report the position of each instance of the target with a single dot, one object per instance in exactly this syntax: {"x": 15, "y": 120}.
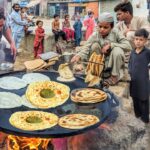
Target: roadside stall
{"x": 36, "y": 107}
{"x": 12, "y": 123}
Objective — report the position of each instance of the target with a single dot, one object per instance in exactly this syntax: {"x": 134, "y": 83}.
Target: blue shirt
{"x": 17, "y": 24}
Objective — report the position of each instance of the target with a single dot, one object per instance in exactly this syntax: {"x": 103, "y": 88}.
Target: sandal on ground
{"x": 113, "y": 80}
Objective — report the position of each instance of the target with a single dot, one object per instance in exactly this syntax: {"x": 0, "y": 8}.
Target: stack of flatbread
{"x": 65, "y": 73}
{"x": 48, "y": 55}
{"x": 94, "y": 69}
{"x": 50, "y": 58}
{"x": 35, "y": 65}
{"x": 51, "y": 61}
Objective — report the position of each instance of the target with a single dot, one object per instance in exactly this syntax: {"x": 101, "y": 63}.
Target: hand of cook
{"x": 106, "y": 48}
{"x": 75, "y": 59}
{"x": 13, "y": 50}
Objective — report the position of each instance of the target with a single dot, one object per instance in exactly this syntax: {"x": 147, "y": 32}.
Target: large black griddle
{"x": 102, "y": 110}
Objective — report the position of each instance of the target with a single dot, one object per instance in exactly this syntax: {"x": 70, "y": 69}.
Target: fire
{"x": 25, "y": 143}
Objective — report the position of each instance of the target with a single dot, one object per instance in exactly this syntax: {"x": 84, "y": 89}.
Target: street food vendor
{"x": 109, "y": 41}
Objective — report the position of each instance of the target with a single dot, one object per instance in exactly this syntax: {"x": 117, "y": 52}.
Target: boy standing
{"x": 139, "y": 72}
{"x": 78, "y": 31}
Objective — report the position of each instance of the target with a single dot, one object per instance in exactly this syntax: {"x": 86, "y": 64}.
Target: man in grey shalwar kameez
{"x": 109, "y": 41}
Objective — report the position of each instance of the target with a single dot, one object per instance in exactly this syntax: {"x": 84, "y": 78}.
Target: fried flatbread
{"x": 94, "y": 69}
{"x": 56, "y": 94}
{"x": 95, "y": 81}
{"x": 88, "y": 95}
{"x": 33, "y": 120}
{"x": 78, "y": 121}
{"x": 27, "y": 103}
{"x": 64, "y": 71}
{"x": 66, "y": 80}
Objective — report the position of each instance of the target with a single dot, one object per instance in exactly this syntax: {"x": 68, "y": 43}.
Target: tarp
{"x": 33, "y": 3}
{"x": 23, "y": 3}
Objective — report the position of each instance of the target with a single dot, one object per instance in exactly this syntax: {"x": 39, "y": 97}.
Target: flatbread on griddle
{"x": 78, "y": 121}
{"x": 88, "y": 95}
{"x": 12, "y": 83}
{"x": 65, "y": 72}
{"x": 66, "y": 80}
{"x": 33, "y": 120}
{"x": 27, "y": 103}
{"x": 9, "y": 100}
{"x": 34, "y": 77}
{"x": 59, "y": 93}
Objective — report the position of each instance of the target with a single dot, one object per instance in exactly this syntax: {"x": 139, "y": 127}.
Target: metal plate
{"x": 102, "y": 110}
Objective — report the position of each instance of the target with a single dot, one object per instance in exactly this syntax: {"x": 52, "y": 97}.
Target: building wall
{"x": 43, "y": 8}
{"x": 3, "y": 3}
{"x": 71, "y": 8}
{"x": 108, "y": 6}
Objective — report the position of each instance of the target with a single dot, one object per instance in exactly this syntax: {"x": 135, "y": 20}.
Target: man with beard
{"x": 17, "y": 25}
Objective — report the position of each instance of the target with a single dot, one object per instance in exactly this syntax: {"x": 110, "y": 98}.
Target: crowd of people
{"x": 129, "y": 34}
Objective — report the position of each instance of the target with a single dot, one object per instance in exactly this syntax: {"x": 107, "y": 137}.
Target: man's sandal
{"x": 111, "y": 81}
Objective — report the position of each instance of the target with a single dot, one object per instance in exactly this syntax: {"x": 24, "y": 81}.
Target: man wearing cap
{"x": 110, "y": 42}
{"x": 128, "y": 23}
